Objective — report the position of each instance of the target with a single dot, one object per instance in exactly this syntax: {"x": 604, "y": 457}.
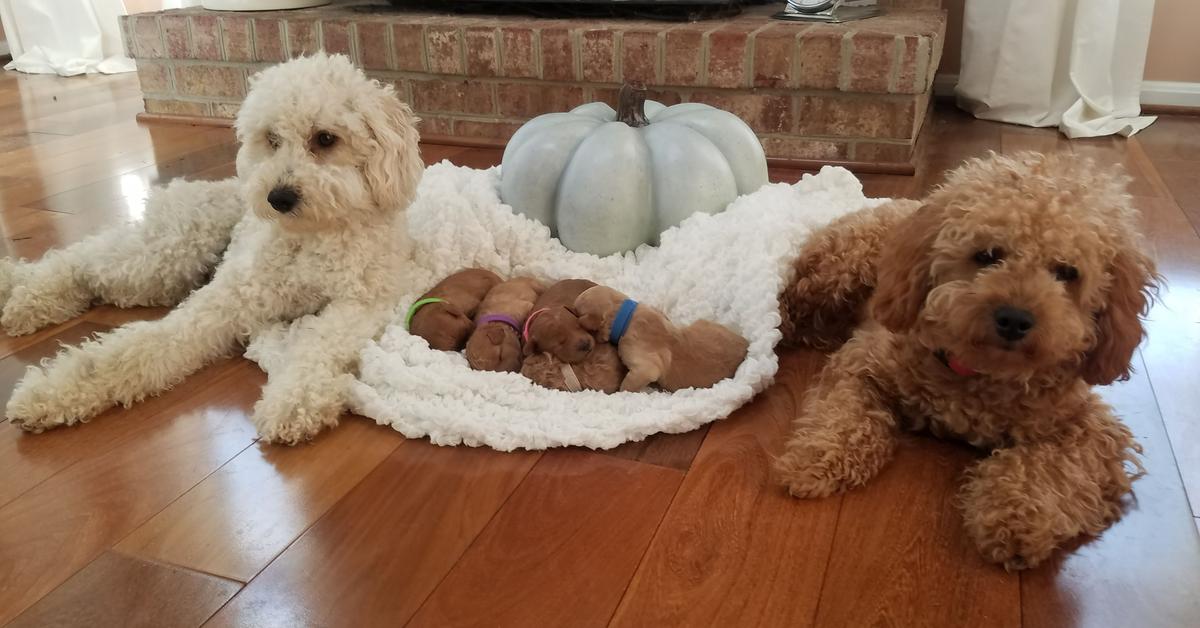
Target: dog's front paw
{"x": 291, "y": 421}
{"x": 36, "y": 405}
{"x": 1007, "y": 522}
{"x": 1010, "y": 539}
{"x": 807, "y": 474}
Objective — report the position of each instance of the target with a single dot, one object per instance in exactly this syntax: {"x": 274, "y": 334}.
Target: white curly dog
{"x": 313, "y": 234}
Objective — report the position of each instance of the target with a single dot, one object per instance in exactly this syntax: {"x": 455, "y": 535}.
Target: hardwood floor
{"x": 171, "y": 514}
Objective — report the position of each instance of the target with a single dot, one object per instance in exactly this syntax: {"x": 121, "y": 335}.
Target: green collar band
{"x": 412, "y": 311}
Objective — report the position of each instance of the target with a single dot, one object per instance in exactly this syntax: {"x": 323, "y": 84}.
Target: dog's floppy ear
{"x": 1119, "y": 325}
{"x": 395, "y": 167}
{"x": 903, "y": 276}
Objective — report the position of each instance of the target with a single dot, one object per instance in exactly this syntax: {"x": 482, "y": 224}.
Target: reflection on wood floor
{"x": 170, "y": 514}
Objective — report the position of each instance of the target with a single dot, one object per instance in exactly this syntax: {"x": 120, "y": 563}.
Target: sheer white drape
{"x": 65, "y": 37}
{"x": 1075, "y": 64}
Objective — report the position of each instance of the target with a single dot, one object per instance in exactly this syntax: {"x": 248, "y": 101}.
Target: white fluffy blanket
{"x": 727, "y": 267}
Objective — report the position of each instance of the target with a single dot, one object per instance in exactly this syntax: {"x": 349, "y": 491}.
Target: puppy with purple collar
{"x": 495, "y": 345}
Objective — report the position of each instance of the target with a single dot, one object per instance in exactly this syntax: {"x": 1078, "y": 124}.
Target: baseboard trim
{"x": 166, "y": 118}
{"x": 1173, "y": 95}
{"x": 1157, "y": 96}
{"x": 862, "y": 167}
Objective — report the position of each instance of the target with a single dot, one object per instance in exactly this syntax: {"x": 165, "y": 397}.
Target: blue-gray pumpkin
{"x": 606, "y": 181}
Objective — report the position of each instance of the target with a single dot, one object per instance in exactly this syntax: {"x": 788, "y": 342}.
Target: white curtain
{"x": 65, "y": 37}
{"x": 1075, "y": 64}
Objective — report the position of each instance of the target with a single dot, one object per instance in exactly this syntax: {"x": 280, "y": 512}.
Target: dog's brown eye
{"x": 325, "y": 139}
{"x": 1066, "y": 273}
{"x": 272, "y": 140}
{"x": 989, "y": 257}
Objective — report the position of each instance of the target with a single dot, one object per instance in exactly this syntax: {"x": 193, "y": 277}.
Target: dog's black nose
{"x": 283, "y": 199}
{"x": 585, "y": 345}
{"x": 1013, "y": 323}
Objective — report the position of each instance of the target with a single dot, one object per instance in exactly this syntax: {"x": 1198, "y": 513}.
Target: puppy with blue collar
{"x": 654, "y": 349}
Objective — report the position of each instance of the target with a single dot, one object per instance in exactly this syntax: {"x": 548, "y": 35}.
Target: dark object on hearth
{"x": 828, "y": 11}
{"x": 668, "y": 10}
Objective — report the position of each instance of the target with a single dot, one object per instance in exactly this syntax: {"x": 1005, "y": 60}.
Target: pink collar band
{"x": 529, "y": 322}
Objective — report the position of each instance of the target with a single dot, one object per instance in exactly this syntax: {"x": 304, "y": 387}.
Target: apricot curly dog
{"x": 994, "y": 304}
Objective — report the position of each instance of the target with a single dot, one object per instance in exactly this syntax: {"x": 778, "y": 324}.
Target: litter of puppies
{"x": 571, "y": 335}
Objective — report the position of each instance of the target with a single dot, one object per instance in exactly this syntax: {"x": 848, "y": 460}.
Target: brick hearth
{"x": 855, "y": 92}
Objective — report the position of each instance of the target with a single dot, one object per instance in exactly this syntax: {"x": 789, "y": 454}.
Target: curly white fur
{"x": 331, "y": 266}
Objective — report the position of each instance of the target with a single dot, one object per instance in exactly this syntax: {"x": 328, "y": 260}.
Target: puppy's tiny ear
{"x": 394, "y": 167}
{"x": 903, "y": 276}
{"x": 590, "y": 322}
{"x": 1119, "y": 325}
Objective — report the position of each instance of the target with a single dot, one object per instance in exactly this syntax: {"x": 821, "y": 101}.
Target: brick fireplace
{"x": 854, "y": 93}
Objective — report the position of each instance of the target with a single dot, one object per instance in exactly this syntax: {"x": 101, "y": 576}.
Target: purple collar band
{"x": 499, "y": 318}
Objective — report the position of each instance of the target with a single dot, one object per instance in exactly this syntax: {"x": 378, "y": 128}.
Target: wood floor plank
{"x": 1119, "y": 151}
{"x": 1143, "y": 571}
{"x": 130, "y": 189}
{"x": 734, "y": 548}
{"x": 50, "y": 149}
{"x": 373, "y": 558}
{"x": 888, "y": 186}
{"x": 674, "y": 451}
{"x": 1172, "y": 347}
{"x": 11, "y": 344}
{"x": 574, "y": 530}
{"x": 1182, "y": 178}
{"x": 115, "y": 316}
{"x": 33, "y": 234}
{"x": 13, "y": 366}
{"x": 118, "y": 590}
{"x": 1172, "y": 138}
{"x": 39, "y": 185}
{"x": 901, "y": 556}
{"x": 234, "y": 522}
{"x": 62, "y": 524}
{"x": 954, "y": 136}
{"x": 26, "y": 460}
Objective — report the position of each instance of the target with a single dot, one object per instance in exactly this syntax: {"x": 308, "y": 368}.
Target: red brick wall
{"x": 834, "y": 92}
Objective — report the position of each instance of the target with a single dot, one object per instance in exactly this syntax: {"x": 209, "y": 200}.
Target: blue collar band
{"x": 621, "y": 321}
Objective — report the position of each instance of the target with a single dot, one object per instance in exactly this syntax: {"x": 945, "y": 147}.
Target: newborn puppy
{"x": 600, "y": 370}
{"x": 554, "y": 328}
{"x": 443, "y": 315}
{"x": 654, "y": 349}
{"x": 495, "y": 345}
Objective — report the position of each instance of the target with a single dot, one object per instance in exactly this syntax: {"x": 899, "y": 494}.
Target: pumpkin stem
{"x": 631, "y": 105}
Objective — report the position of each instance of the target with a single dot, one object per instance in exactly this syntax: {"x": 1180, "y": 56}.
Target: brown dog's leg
{"x": 1023, "y": 502}
{"x": 841, "y": 439}
{"x": 834, "y": 276}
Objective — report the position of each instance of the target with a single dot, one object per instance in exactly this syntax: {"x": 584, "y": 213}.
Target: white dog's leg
{"x": 142, "y": 358}
{"x": 156, "y": 261}
{"x": 307, "y": 391}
